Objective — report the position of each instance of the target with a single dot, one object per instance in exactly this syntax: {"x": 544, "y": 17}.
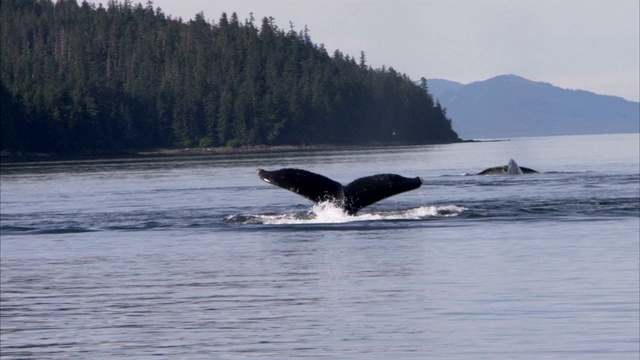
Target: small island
{"x": 85, "y": 79}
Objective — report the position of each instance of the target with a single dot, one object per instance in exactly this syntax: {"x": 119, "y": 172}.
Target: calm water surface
{"x": 196, "y": 258}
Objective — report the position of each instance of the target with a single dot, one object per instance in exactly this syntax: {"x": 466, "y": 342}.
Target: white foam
{"x": 327, "y": 213}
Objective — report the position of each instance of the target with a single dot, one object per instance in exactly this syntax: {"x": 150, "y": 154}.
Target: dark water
{"x": 196, "y": 258}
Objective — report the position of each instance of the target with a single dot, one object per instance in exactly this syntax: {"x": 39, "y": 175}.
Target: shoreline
{"x": 11, "y": 157}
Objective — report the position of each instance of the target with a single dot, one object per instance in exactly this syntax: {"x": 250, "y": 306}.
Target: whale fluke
{"x": 510, "y": 169}
{"x": 354, "y": 196}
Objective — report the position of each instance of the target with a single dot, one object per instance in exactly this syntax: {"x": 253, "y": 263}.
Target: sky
{"x": 591, "y": 45}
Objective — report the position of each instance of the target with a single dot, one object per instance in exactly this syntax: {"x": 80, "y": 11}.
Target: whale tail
{"x": 351, "y": 198}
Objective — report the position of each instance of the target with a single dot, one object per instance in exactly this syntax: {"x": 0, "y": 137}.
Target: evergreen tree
{"x": 78, "y": 78}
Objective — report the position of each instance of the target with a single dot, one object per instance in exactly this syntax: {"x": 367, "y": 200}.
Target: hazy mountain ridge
{"x": 512, "y": 106}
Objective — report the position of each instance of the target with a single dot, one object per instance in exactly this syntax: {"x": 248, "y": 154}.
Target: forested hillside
{"x": 76, "y": 77}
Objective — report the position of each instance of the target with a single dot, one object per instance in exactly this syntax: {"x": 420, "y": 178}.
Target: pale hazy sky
{"x": 591, "y": 45}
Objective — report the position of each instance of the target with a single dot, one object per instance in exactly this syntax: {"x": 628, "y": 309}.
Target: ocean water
{"x": 197, "y": 258}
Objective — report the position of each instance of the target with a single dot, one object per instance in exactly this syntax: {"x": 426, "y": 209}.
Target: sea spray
{"x": 327, "y": 213}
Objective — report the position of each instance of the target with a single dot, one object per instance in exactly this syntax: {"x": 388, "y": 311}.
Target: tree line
{"x": 80, "y": 77}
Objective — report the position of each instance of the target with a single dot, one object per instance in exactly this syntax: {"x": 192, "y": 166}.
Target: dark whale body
{"x": 511, "y": 169}
{"x": 351, "y": 198}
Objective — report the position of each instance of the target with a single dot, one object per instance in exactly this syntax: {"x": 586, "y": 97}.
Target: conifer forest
{"x": 80, "y": 77}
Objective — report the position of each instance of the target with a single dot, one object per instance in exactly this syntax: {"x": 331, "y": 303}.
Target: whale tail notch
{"x": 351, "y": 198}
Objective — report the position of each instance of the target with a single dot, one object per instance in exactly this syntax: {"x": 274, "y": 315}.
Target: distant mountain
{"x": 512, "y": 106}
{"x": 438, "y": 87}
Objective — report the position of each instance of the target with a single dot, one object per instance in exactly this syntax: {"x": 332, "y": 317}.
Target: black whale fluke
{"x": 354, "y": 196}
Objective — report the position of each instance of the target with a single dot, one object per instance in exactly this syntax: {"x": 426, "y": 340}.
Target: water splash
{"x": 327, "y": 213}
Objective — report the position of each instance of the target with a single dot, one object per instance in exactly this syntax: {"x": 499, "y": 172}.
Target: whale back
{"x": 496, "y": 170}
{"x": 526, "y": 170}
{"x": 511, "y": 169}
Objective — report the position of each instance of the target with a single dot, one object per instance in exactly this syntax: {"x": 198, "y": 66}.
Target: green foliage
{"x": 80, "y": 77}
